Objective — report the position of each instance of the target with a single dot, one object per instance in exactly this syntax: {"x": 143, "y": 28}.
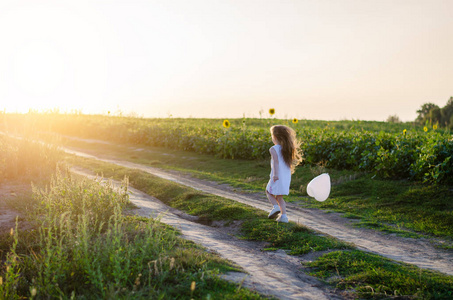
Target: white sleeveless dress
{"x": 281, "y": 186}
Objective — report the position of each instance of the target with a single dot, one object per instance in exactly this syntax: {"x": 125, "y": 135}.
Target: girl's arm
{"x": 275, "y": 160}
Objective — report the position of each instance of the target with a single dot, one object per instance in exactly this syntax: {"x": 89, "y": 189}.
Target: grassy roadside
{"x": 291, "y": 237}
{"x": 255, "y": 225}
{"x": 372, "y": 276}
{"x": 74, "y": 240}
{"x": 406, "y": 208}
{"x": 84, "y": 246}
{"x": 25, "y": 159}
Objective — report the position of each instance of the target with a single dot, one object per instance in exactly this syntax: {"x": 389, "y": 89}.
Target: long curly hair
{"x": 291, "y": 152}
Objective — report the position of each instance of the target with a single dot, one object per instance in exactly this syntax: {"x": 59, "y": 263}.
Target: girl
{"x": 285, "y": 156}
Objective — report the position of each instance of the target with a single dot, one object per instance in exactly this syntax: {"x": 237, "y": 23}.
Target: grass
{"x": 255, "y": 225}
{"x": 242, "y": 174}
{"x": 389, "y": 229}
{"x": 79, "y": 243}
{"x": 79, "y": 124}
{"x": 419, "y": 208}
{"x": 78, "y": 249}
{"x": 362, "y": 274}
{"x": 27, "y": 265}
{"x": 295, "y": 238}
{"x": 26, "y": 160}
{"x": 382, "y": 148}
{"x": 401, "y": 207}
{"x": 372, "y": 276}
{"x": 85, "y": 247}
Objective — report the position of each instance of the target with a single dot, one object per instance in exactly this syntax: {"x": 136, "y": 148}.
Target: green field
{"x": 79, "y": 240}
{"x": 395, "y": 151}
{"x": 392, "y": 177}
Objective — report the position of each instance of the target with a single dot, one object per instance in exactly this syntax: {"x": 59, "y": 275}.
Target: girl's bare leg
{"x": 272, "y": 199}
{"x": 281, "y": 203}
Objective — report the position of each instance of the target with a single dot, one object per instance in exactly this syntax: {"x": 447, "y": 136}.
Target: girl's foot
{"x": 283, "y": 218}
{"x": 274, "y": 212}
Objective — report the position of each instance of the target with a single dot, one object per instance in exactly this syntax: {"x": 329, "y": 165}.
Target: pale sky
{"x": 312, "y": 59}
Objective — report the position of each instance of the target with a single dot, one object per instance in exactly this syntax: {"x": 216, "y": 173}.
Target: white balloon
{"x": 319, "y": 187}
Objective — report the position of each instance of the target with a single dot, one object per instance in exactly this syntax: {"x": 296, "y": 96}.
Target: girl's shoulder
{"x": 276, "y": 147}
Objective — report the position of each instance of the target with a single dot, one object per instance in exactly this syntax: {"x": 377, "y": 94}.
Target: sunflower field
{"x": 402, "y": 150}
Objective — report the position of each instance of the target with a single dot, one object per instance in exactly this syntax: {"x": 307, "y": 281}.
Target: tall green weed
{"x": 85, "y": 247}
{"x": 10, "y": 271}
{"x": 26, "y": 159}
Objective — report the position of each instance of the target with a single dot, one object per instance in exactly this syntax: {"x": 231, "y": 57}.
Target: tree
{"x": 447, "y": 113}
{"x": 423, "y": 112}
{"x": 393, "y": 119}
{"x": 435, "y": 115}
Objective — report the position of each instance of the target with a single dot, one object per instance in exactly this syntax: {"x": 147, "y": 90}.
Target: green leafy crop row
{"x": 389, "y": 150}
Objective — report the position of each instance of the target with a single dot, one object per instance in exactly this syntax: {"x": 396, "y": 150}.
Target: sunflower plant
{"x": 226, "y": 124}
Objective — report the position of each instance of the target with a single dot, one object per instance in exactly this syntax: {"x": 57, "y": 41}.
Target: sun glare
{"x": 308, "y": 59}
{"x": 54, "y": 58}
{"x": 38, "y": 74}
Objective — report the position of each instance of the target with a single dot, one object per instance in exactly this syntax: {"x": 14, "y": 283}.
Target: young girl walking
{"x": 285, "y": 156}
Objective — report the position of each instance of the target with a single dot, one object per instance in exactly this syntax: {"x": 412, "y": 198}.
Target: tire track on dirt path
{"x": 268, "y": 273}
{"x": 419, "y": 252}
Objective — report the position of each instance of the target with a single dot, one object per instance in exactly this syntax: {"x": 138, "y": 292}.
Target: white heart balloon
{"x": 319, "y": 187}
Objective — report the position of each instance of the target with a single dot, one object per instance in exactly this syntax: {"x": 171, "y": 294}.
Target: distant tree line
{"x": 432, "y": 114}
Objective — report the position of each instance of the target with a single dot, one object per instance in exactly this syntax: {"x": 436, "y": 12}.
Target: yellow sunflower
{"x": 425, "y": 129}
{"x": 226, "y": 124}
{"x": 295, "y": 121}
{"x": 404, "y": 131}
{"x": 272, "y": 111}
{"x": 435, "y": 126}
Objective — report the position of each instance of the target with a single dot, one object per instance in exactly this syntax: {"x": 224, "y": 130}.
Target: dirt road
{"x": 270, "y": 273}
{"x": 419, "y": 252}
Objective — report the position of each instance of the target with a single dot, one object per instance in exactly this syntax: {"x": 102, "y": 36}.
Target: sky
{"x": 307, "y": 59}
